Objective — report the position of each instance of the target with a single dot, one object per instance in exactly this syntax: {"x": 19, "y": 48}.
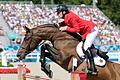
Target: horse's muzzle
{"x": 21, "y": 56}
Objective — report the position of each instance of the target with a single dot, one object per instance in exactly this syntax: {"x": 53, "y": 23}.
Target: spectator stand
{"x": 20, "y": 14}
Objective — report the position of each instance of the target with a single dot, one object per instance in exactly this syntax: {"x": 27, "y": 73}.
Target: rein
{"x": 50, "y": 25}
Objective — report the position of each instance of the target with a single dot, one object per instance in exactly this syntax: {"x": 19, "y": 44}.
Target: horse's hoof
{"x": 50, "y": 74}
{"x": 46, "y": 68}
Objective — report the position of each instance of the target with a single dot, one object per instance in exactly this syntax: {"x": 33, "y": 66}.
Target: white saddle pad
{"x": 99, "y": 61}
{"x": 79, "y": 49}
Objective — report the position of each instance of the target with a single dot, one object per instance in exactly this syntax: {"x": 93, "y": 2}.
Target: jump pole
{"x": 22, "y": 74}
{"x": 77, "y": 75}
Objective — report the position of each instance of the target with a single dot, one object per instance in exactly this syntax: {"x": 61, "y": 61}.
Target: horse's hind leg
{"x": 44, "y": 65}
{"x": 99, "y": 53}
{"x": 102, "y": 54}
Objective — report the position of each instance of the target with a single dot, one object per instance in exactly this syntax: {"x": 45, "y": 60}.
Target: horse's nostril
{"x": 18, "y": 54}
{"x": 21, "y": 56}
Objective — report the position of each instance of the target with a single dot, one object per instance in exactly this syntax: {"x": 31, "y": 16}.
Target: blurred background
{"x": 15, "y": 14}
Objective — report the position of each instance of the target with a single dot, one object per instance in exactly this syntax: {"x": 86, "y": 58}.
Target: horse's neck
{"x": 49, "y": 32}
{"x": 45, "y": 32}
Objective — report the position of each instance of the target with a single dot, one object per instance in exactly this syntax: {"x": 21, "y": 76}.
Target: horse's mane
{"x": 49, "y": 25}
{"x": 75, "y": 35}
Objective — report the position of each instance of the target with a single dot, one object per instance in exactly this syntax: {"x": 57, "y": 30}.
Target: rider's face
{"x": 60, "y": 14}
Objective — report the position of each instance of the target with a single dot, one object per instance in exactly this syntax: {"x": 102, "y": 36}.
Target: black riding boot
{"x": 92, "y": 69}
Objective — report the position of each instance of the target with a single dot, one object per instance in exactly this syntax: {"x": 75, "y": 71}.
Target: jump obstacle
{"x": 22, "y": 74}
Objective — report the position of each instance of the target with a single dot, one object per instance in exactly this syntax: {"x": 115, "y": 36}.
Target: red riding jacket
{"x": 77, "y": 24}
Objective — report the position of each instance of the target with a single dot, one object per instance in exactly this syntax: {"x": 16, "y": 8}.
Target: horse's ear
{"x": 26, "y": 29}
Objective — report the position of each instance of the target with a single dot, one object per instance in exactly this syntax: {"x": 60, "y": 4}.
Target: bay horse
{"x": 63, "y": 51}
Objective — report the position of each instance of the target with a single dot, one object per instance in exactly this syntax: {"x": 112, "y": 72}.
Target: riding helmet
{"x": 61, "y": 8}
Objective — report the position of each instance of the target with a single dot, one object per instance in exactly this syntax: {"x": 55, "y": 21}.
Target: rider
{"x": 86, "y": 29}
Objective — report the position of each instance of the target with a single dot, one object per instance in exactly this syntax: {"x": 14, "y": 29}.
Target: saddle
{"x": 100, "y": 57}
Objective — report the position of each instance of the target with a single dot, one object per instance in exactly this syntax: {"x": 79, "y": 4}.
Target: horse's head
{"x": 30, "y": 42}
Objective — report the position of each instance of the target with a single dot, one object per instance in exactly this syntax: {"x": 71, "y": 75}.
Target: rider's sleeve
{"x": 75, "y": 27}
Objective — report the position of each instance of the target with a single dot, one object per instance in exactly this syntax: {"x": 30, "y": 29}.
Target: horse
{"x": 62, "y": 52}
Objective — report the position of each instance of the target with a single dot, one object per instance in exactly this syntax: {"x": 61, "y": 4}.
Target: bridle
{"x": 28, "y": 45}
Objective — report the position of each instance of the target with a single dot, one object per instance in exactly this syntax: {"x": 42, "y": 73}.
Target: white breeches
{"x": 88, "y": 42}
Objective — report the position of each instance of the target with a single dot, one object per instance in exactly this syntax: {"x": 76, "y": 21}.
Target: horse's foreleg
{"x": 44, "y": 65}
{"x": 42, "y": 56}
